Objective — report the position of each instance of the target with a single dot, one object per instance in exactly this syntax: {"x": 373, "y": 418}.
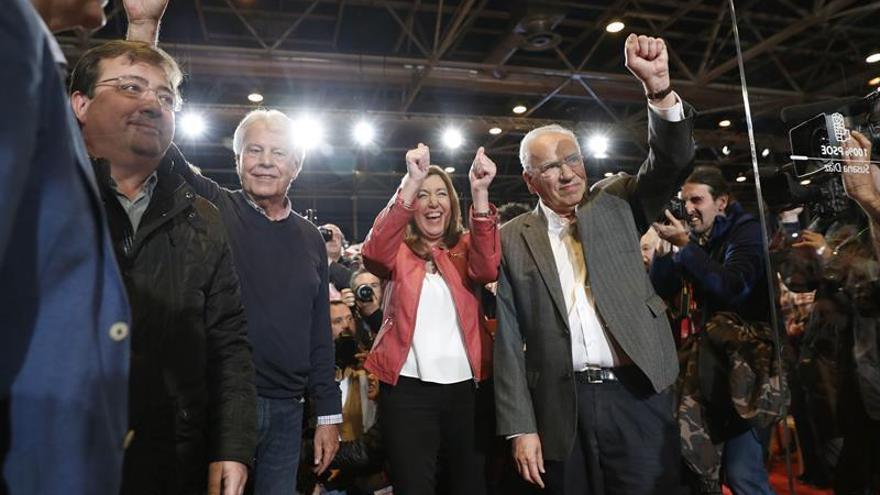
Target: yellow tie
{"x": 576, "y": 253}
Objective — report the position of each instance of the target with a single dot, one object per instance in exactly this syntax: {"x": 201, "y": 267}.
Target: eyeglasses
{"x": 553, "y": 169}
{"x": 136, "y": 88}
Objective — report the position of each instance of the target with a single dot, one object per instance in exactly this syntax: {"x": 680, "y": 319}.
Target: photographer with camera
{"x": 366, "y": 304}
{"x": 719, "y": 265}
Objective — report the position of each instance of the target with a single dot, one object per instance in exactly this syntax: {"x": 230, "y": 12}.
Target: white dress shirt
{"x": 590, "y": 343}
{"x": 437, "y": 353}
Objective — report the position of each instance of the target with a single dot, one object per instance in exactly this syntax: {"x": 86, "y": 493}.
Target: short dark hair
{"x": 86, "y": 71}
{"x": 509, "y": 211}
{"x": 712, "y": 177}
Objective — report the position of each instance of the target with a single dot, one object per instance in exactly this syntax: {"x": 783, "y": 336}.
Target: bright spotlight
{"x": 255, "y": 97}
{"x": 765, "y": 152}
{"x": 192, "y": 124}
{"x": 452, "y": 138}
{"x": 740, "y": 178}
{"x": 449, "y": 170}
{"x": 308, "y": 133}
{"x": 874, "y": 57}
{"x": 598, "y": 146}
{"x": 609, "y": 174}
{"x": 724, "y": 123}
{"x": 614, "y": 27}
{"x": 363, "y": 133}
{"x": 725, "y": 149}
{"x": 805, "y": 182}
{"x": 519, "y": 109}
{"x": 495, "y": 131}
{"x": 875, "y": 81}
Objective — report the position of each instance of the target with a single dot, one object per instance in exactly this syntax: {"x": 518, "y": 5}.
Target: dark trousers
{"x": 424, "y": 424}
{"x": 627, "y": 441}
{"x": 858, "y": 470}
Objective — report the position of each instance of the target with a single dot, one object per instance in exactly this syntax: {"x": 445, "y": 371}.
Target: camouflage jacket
{"x": 729, "y": 373}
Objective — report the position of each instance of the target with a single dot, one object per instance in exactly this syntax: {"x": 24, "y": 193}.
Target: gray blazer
{"x": 534, "y": 384}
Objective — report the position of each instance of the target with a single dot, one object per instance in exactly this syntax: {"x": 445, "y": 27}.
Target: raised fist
{"x": 482, "y": 171}
{"x": 648, "y": 60}
{"x": 417, "y": 162}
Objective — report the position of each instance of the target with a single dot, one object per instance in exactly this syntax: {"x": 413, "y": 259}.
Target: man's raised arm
{"x": 144, "y": 17}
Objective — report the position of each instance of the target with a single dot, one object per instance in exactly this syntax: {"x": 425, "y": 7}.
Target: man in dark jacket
{"x": 192, "y": 395}
{"x": 720, "y": 264}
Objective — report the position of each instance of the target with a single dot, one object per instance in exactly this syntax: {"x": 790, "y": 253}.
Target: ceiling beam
{"x": 819, "y": 15}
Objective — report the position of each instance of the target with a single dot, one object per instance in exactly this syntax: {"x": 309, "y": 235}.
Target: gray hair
{"x": 274, "y": 119}
{"x": 540, "y": 131}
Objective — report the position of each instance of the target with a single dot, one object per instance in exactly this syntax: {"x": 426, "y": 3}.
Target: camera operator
{"x": 719, "y": 263}
{"x": 859, "y": 464}
{"x": 862, "y": 183}
{"x": 334, "y": 241}
{"x": 367, "y": 304}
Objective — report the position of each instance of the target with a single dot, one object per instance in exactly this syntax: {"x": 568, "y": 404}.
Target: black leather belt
{"x": 595, "y": 374}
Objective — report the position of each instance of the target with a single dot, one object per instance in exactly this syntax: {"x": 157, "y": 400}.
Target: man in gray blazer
{"x": 584, "y": 355}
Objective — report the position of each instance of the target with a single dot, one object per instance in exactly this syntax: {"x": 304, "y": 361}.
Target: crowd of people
{"x": 167, "y": 335}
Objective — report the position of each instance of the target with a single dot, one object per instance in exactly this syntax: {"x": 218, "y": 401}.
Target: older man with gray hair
{"x": 584, "y": 355}
{"x": 282, "y": 264}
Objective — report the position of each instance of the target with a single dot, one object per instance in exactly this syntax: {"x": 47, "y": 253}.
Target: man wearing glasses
{"x": 192, "y": 400}
{"x": 584, "y": 356}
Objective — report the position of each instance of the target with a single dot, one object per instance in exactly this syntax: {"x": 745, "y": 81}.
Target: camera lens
{"x": 326, "y": 233}
{"x": 364, "y": 293}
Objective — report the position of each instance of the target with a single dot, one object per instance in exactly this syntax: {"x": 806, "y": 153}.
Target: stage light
{"x": 598, "y": 146}
{"x": 740, "y": 178}
{"x": 519, "y": 109}
{"x": 615, "y": 27}
{"x": 255, "y": 97}
{"x": 765, "y": 152}
{"x": 725, "y": 149}
{"x": 192, "y": 124}
{"x": 449, "y": 170}
{"x": 452, "y": 138}
{"x": 805, "y": 182}
{"x": 495, "y": 131}
{"x": 875, "y": 81}
{"x": 363, "y": 133}
{"x": 308, "y": 132}
{"x": 609, "y": 174}
{"x": 874, "y": 57}
{"x": 724, "y": 123}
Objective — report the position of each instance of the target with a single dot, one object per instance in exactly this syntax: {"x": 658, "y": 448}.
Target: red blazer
{"x": 465, "y": 268}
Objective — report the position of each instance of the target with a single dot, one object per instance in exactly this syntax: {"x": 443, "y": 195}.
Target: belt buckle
{"x": 594, "y": 374}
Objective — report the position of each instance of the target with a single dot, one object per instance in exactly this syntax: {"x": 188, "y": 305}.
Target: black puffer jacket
{"x": 192, "y": 395}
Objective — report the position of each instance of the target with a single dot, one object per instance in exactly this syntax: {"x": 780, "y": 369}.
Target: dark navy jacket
{"x": 728, "y": 274}
{"x": 64, "y": 337}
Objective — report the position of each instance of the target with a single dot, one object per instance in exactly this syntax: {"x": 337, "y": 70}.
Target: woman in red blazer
{"x": 433, "y": 349}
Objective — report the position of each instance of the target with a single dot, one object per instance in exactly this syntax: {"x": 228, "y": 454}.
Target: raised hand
{"x": 674, "y": 232}
{"x": 143, "y": 19}
{"x": 417, "y": 162}
{"x": 482, "y": 171}
{"x": 861, "y": 179}
{"x": 481, "y": 174}
{"x": 648, "y": 60}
